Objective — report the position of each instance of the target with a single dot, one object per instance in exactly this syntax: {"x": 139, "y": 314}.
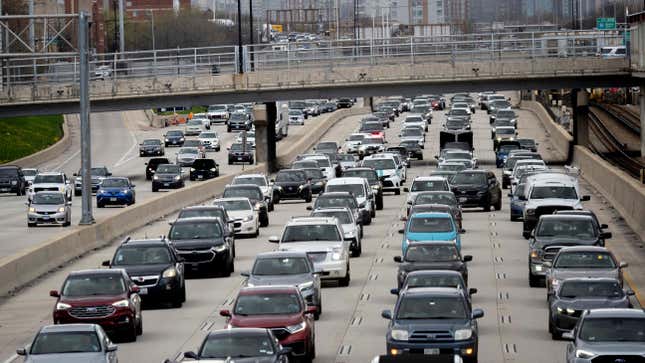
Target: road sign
{"x": 606, "y": 23}
{"x": 276, "y": 28}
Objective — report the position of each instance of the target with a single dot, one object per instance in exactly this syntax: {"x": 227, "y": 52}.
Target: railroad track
{"x": 613, "y": 148}
{"x": 626, "y": 116}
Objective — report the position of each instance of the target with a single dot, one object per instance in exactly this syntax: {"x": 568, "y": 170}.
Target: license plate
{"x": 5, "y": 189}
{"x": 143, "y": 291}
{"x": 174, "y": 142}
{"x": 166, "y": 184}
{"x": 463, "y": 199}
{"x": 46, "y": 218}
{"x": 112, "y": 199}
{"x": 240, "y": 158}
{"x": 200, "y": 177}
{"x": 431, "y": 351}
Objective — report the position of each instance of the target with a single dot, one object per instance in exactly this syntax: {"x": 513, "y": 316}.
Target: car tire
{"x": 358, "y": 250}
{"x": 228, "y": 129}
{"x": 379, "y": 202}
{"x": 130, "y": 335}
{"x": 498, "y": 204}
{"x": 217, "y": 149}
{"x": 257, "y": 233}
{"x": 373, "y": 212}
{"x": 308, "y": 198}
{"x": 29, "y": 224}
{"x": 534, "y": 281}
{"x": 344, "y": 282}
{"x": 264, "y": 222}
{"x": 67, "y": 223}
{"x": 271, "y": 207}
{"x": 140, "y": 326}
{"x": 513, "y": 218}
{"x": 155, "y": 189}
{"x": 99, "y": 205}
{"x": 397, "y": 191}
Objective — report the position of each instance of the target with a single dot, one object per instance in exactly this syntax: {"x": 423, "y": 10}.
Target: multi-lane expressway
{"x": 350, "y": 329}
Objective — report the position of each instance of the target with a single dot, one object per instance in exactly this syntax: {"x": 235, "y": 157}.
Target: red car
{"x": 104, "y": 297}
{"x": 281, "y": 309}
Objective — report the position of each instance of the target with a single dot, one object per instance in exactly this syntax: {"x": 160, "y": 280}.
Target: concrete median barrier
{"x": 558, "y": 136}
{"x": 19, "y": 269}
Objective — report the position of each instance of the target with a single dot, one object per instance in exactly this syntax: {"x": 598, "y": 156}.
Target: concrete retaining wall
{"x": 558, "y": 136}
{"x": 626, "y": 193}
{"x": 25, "y": 266}
{"x": 49, "y": 153}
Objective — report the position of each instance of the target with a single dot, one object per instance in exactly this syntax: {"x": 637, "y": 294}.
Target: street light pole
{"x": 251, "y": 31}
{"x": 86, "y": 136}
{"x": 239, "y": 36}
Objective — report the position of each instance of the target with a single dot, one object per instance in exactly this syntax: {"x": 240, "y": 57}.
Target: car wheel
{"x": 498, "y": 204}
{"x": 379, "y": 203}
{"x": 101, "y": 205}
{"x": 373, "y": 212}
{"x": 217, "y": 149}
{"x": 534, "y": 281}
{"x": 358, "y": 250}
{"x": 344, "y": 282}
{"x": 264, "y": 221}
{"x": 513, "y": 218}
{"x": 257, "y": 233}
{"x": 555, "y": 335}
{"x": 29, "y": 224}
{"x": 140, "y": 326}
{"x": 397, "y": 191}
{"x": 67, "y": 223}
{"x": 155, "y": 189}
{"x": 183, "y": 293}
{"x": 130, "y": 333}
{"x": 271, "y": 207}
{"x": 308, "y": 198}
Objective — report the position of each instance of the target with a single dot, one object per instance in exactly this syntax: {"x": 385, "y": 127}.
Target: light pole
{"x": 239, "y": 36}
{"x": 152, "y": 28}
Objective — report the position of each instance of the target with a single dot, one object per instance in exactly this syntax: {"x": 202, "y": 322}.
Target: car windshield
{"x": 345, "y": 157}
{"x": 295, "y": 113}
{"x": 469, "y": 179}
{"x": 240, "y": 147}
{"x": 313, "y": 173}
{"x": 613, "y": 329}
{"x": 452, "y": 167}
{"x": 577, "y": 289}
{"x": 98, "y": 284}
{"x": 458, "y": 112}
{"x": 527, "y": 143}
{"x": 370, "y": 175}
{"x": 372, "y": 126}
{"x": 379, "y": 164}
{"x": 356, "y": 189}
{"x": 373, "y": 141}
{"x": 194, "y": 123}
{"x": 195, "y": 230}
{"x": 267, "y": 304}
{"x": 429, "y": 185}
{"x": 334, "y": 202}
{"x": 255, "y": 180}
{"x": 343, "y": 217}
{"x": 281, "y": 266}
{"x": 191, "y": 143}
{"x": 201, "y": 212}
{"x": 238, "y": 192}
{"x": 234, "y": 205}
{"x": 519, "y": 190}
{"x": 234, "y": 346}
{"x": 202, "y": 164}
{"x": 66, "y": 342}
{"x": 567, "y": 227}
{"x": 142, "y": 256}
{"x": 174, "y": 133}
{"x": 559, "y": 192}
{"x": 49, "y": 198}
{"x": 48, "y": 179}
{"x": 9, "y": 172}
{"x": 507, "y": 148}
{"x": 238, "y": 116}
{"x": 311, "y": 232}
{"x": 114, "y": 183}
{"x": 430, "y": 225}
{"x": 431, "y": 307}
{"x": 322, "y": 163}
{"x": 436, "y": 198}
{"x": 25, "y": 172}
{"x": 504, "y": 131}
{"x": 431, "y": 253}
{"x": 208, "y": 135}
{"x": 411, "y": 132}
{"x": 188, "y": 150}
{"x": 585, "y": 260}
{"x": 291, "y": 176}
{"x": 327, "y": 145}
{"x": 169, "y": 169}
{"x": 152, "y": 142}
{"x": 455, "y": 124}
{"x": 457, "y": 155}
{"x": 505, "y": 114}
{"x": 510, "y": 162}
{"x": 437, "y": 280}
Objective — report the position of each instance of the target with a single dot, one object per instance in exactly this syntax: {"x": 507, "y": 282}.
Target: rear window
{"x": 430, "y": 225}
{"x": 204, "y": 164}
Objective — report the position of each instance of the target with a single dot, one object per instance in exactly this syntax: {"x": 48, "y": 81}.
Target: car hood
{"x": 613, "y": 348}
{"x": 166, "y": 175}
{"x": 259, "y": 280}
{"x": 47, "y": 185}
{"x": 412, "y": 325}
{"x": 197, "y": 244}
{"x": 265, "y": 321}
{"x": 239, "y": 214}
{"x": 92, "y": 300}
{"x": 145, "y": 270}
{"x": 288, "y": 184}
{"x": 412, "y": 138}
{"x": 68, "y": 358}
{"x": 573, "y": 203}
{"x": 564, "y": 241}
{"x": 150, "y": 146}
{"x": 269, "y": 359}
{"x": 174, "y": 137}
{"x": 47, "y": 207}
{"x": 385, "y": 172}
{"x": 113, "y": 189}
{"x": 310, "y": 246}
{"x": 436, "y": 236}
{"x": 417, "y": 266}
{"x": 349, "y": 227}
{"x": 566, "y": 273}
{"x": 187, "y": 156}
{"x": 592, "y": 303}
{"x": 468, "y": 187}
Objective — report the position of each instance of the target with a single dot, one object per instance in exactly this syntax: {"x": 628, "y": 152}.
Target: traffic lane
{"x": 166, "y": 331}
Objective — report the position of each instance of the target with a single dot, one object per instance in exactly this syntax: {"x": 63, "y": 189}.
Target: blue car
{"x": 518, "y": 200}
{"x": 430, "y": 226}
{"x": 503, "y": 150}
{"x": 115, "y": 191}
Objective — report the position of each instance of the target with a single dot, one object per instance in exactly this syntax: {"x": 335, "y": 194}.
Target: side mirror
{"x": 394, "y": 291}
{"x": 75, "y": 174}
{"x": 225, "y": 312}
{"x": 567, "y": 335}
{"x": 285, "y": 351}
{"x": 404, "y": 218}
{"x": 274, "y": 239}
{"x": 311, "y": 310}
{"x": 409, "y": 202}
{"x": 436, "y": 157}
{"x": 68, "y": 203}
{"x": 191, "y": 355}
{"x": 462, "y": 231}
{"x": 526, "y": 234}
{"x": 109, "y": 174}
{"x": 21, "y": 351}
{"x": 467, "y": 258}
{"x": 245, "y": 273}
{"x": 401, "y": 231}
{"x": 585, "y": 198}
{"x": 472, "y": 291}
{"x": 398, "y": 259}
{"x": 510, "y": 195}
{"x": 547, "y": 264}
{"x": 386, "y": 314}
{"x": 478, "y": 313}
{"x": 135, "y": 289}
{"x": 406, "y": 189}
{"x": 111, "y": 348}
{"x": 54, "y": 293}
{"x": 105, "y": 263}
{"x": 603, "y": 226}
{"x": 310, "y": 207}
{"x": 133, "y": 185}
{"x": 623, "y": 264}
{"x": 606, "y": 235}
{"x": 630, "y": 293}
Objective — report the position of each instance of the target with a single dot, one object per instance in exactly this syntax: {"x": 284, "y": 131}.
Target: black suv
{"x": 153, "y": 265}
{"x": 477, "y": 188}
{"x": 372, "y": 178}
{"x": 239, "y": 121}
{"x": 174, "y": 138}
{"x": 152, "y": 164}
{"x": 293, "y": 184}
{"x": 203, "y": 169}
{"x": 432, "y": 256}
{"x": 151, "y": 147}
{"x": 413, "y": 149}
{"x": 237, "y": 153}
{"x": 168, "y": 176}
{"x": 12, "y": 180}
{"x": 204, "y": 244}
{"x": 255, "y": 195}
{"x": 216, "y": 211}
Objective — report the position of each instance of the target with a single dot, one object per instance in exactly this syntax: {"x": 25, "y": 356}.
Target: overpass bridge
{"x": 48, "y": 83}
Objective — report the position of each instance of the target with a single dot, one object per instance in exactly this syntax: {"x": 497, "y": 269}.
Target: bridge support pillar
{"x": 641, "y": 102}
{"x": 368, "y": 102}
{"x": 580, "y": 106}
{"x": 265, "y": 148}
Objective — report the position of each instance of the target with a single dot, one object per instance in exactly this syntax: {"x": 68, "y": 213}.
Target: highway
{"x": 115, "y": 139}
{"x": 351, "y": 329}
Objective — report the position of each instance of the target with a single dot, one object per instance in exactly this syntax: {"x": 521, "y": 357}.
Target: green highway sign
{"x": 606, "y": 23}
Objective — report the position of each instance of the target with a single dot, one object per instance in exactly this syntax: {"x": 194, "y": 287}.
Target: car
{"x": 426, "y": 184}
{"x": 154, "y": 266}
{"x": 152, "y": 164}
{"x": 287, "y": 268}
{"x": 174, "y": 138}
{"x": 494, "y": 105}
{"x": 103, "y": 71}
{"x": 401, "y": 152}
{"x": 432, "y": 256}
{"x": 607, "y": 335}
{"x": 448, "y": 174}
{"x": 210, "y": 140}
{"x": 217, "y": 113}
{"x": 487, "y": 98}
{"x": 250, "y": 138}
{"x": 360, "y": 189}
{"x": 115, "y": 190}
{"x": 456, "y": 154}
{"x": 271, "y": 197}
{"x": 372, "y": 179}
{"x": 168, "y": 176}
{"x": 501, "y": 122}
{"x": 293, "y": 184}
{"x": 317, "y": 179}
{"x": 106, "y": 297}
{"x": 299, "y": 106}
{"x": 509, "y": 164}
{"x": 241, "y": 210}
{"x": 552, "y": 233}
{"x": 582, "y": 261}
{"x": 413, "y": 149}
{"x": 432, "y": 226}
{"x": 193, "y": 127}
{"x": 346, "y": 161}
{"x": 352, "y": 229}
{"x": 312, "y": 107}
{"x": 452, "y": 166}
{"x": 340, "y": 199}
{"x": 517, "y": 201}
{"x": 503, "y": 149}
{"x": 383, "y": 117}
{"x": 390, "y": 173}
{"x": 70, "y": 343}
{"x": 352, "y": 142}
{"x": 419, "y": 312}
{"x": 255, "y": 196}
{"x": 280, "y": 308}
{"x": 203, "y": 169}
{"x": 239, "y": 153}
{"x": 324, "y": 163}
{"x": 327, "y": 147}
{"x": 344, "y": 103}
{"x": 374, "y": 128}
{"x": 413, "y": 134}
{"x": 504, "y": 133}
{"x": 529, "y": 144}
{"x": 503, "y": 114}
{"x": 186, "y": 156}
{"x": 48, "y": 182}
{"x": 585, "y": 212}
{"x": 453, "y": 209}
{"x": 204, "y": 244}
{"x": 415, "y": 120}
{"x": 296, "y": 117}
{"x": 216, "y": 211}
{"x": 424, "y": 110}
{"x": 151, "y": 147}
{"x": 98, "y": 174}
{"x": 371, "y": 145}
{"x": 240, "y": 344}
{"x": 434, "y": 278}
{"x": 459, "y": 113}
{"x": 575, "y": 295}
{"x": 239, "y": 121}
{"x": 197, "y": 144}
{"x": 525, "y": 166}
{"x": 323, "y": 241}
{"x": 477, "y": 188}
{"x": 29, "y": 174}
{"x": 49, "y": 207}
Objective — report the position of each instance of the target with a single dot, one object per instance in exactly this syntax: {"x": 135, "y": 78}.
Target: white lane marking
{"x": 60, "y": 166}
{"x": 123, "y": 159}
{"x": 12, "y": 358}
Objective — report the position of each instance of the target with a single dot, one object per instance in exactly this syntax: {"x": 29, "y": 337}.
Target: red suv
{"x": 281, "y": 309}
{"x": 104, "y": 297}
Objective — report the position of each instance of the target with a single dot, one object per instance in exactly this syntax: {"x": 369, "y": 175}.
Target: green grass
{"x": 194, "y": 110}
{"x": 22, "y": 136}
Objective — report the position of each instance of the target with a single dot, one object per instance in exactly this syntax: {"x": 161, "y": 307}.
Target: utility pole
{"x": 86, "y": 136}
{"x": 121, "y": 29}
{"x": 251, "y": 32}
{"x": 239, "y": 36}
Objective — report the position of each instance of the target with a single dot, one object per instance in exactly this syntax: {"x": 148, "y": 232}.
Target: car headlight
{"x": 32, "y": 209}
{"x": 463, "y": 334}
{"x": 62, "y": 306}
{"x": 213, "y": 169}
{"x": 62, "y": 189}
{"x": 122, "y": 303}
{"x": 361, "y": 205}
{"x": 14, "y": 182}
{"x": 499, "y": 139}
{"x": 336, "y": 254}
{"x": 530, "y": 212}
{"x": 167, "y": 140}
{"x": 300, "y": 187}
{"x": 535, "y": 254}
{"x": 257, "y": 206}
{"x": 169, "y": 273}
{"x": 177, "y": 177}
{"x": 555, "y": 283}
{"x": 247, "y": 219}
{"x": 61, "y": 210}
{"x": 181, "y": 139}
{"x": 296, "y": 328}
{"x": 398, "y": 334}
{"x": 219, "y": 248}
{"x": 125, "y": 191}
{"x": 306, "y": 285}
{"x": 350, "y": 234}
{"x": 580, "y": 353}
{"x": 192, "y": 169}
